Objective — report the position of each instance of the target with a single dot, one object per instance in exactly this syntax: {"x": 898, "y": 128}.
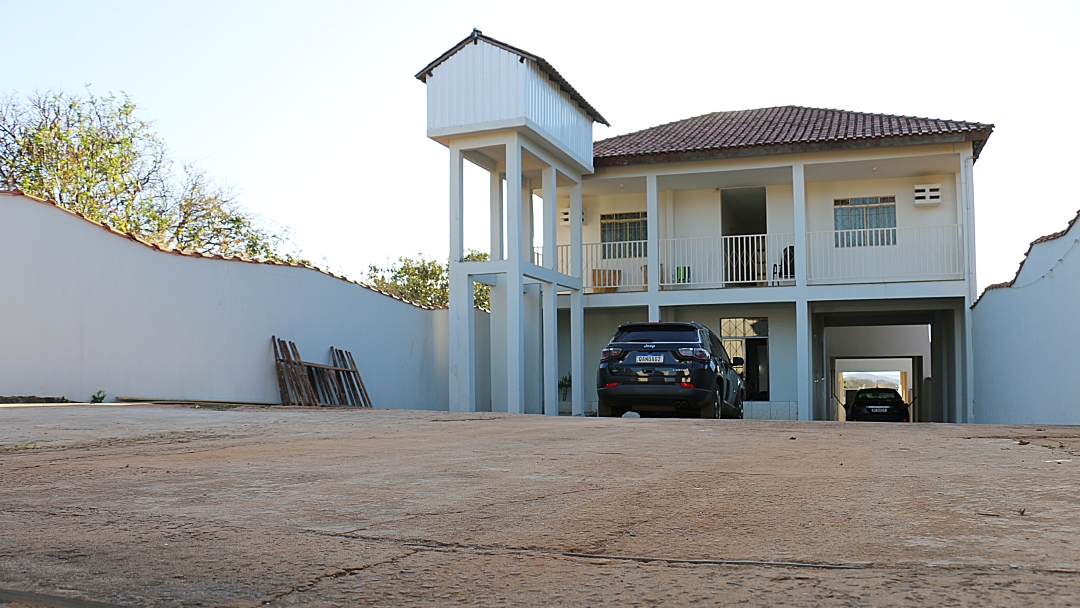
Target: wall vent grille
{"x": 927, "y": 194}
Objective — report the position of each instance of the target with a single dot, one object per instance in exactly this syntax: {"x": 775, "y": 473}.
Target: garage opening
{"x": 853, "y": 375}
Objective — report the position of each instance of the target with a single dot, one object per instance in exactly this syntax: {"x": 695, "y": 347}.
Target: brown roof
{"x": 196, "y": 254}
{"x": 779, "y": 130}
{"x": 476, "y": 36}
{"x": 1041, "y": 239}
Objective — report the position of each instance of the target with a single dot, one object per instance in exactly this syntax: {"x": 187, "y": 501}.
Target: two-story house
{"x": 803, "y": 237}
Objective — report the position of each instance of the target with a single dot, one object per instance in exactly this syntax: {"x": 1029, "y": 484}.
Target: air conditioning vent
{"x": 564, "y": 216}
{"x": 927, "y": 194}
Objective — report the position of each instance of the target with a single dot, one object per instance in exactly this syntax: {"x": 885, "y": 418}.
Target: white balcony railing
{"x": 917, "y": 252}
{"x": 758, "y": 259}
{"x": 608, "y": 267}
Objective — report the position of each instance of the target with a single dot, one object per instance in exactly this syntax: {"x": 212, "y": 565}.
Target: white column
{"x": 462, "y": 340}
{"x": 527, "y": 228}
{"x": 515, "y": 302}
{"x": 462, "y": 350}
{"x": 798, "y": 185}
{"x": 551, "y": 348}
{"x": 496, "y": 195}
{"x": 457, "y": 201}
{"x": 967, "y": 215}
{"x": 652, "y": 207}
{"x": 577, "y": 309}
{"x": 551, "y": 218}
{"x": 804, "y": 359}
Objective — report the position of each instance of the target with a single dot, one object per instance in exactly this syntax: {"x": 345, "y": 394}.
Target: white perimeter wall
{"x": 83, "y": 309}
{"x": 1026, "y": 340}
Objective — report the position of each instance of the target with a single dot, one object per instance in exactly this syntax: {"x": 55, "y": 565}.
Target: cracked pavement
{"x": 176, "y": 506}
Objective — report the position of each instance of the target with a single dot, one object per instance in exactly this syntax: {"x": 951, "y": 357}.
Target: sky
{"x": 310, "y": 110}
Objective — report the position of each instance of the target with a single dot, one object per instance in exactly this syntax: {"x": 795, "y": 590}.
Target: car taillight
{"x": 694, "y": 353}
{"x": 610, "y": 353}
{"x": 611, "y": 384}
{"x": 687, "y": 385}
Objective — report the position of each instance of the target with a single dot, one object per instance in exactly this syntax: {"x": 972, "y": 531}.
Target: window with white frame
{"x": 867, "y": 221}
{"x": 624, "y": 235}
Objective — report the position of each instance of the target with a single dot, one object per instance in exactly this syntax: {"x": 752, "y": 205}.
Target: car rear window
{"x": 656, "y": 334}
{"x": 886, "y": 393}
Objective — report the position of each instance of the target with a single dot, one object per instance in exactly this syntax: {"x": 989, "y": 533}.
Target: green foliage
{"x": 98, "y": 397}
{"x": 565, "y": 384}
{"x": 94, "y": 155}
{"x": 423, "y": 281}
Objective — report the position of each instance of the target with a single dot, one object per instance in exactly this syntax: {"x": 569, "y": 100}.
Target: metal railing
{"x": 757, "y": 259}
{"x": 916, "y": 252}
{"x": 564, "y": 259}
{"x": 608, "y": 267}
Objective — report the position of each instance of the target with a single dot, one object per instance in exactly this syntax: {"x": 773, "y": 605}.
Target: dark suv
{"x": 668, "y": 369}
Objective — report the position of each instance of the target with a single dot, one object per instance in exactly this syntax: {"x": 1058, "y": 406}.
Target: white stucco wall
{"x": 879, "y": 341}
{"x": 820, "y": 196}
{"x": 83, "y": 309}
{"x": 1026, "y": 340}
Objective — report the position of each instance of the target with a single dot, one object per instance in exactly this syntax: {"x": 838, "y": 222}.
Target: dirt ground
{"x": 164, "y": 506}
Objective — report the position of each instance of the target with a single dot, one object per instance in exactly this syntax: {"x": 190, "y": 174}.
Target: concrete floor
{"x": 164, "y": 506}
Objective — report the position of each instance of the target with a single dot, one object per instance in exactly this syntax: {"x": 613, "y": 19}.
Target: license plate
{"x": 879, "y": 409}
{"x": 649, "y": 359}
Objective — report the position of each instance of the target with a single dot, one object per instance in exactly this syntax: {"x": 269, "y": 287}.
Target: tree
{"x": 425, "y": 282}
{"x": 94, "y": 155}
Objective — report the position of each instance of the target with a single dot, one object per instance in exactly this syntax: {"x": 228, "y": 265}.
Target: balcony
{"x": 729, "y": 261}
{"x": 917, "y": 253}
{"x": 920, "y": 253}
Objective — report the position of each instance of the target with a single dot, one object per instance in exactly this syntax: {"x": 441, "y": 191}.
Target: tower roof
{"x": 477, "y": 36}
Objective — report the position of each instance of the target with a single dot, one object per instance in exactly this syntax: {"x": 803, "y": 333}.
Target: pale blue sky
{"x": 311, "y": 111}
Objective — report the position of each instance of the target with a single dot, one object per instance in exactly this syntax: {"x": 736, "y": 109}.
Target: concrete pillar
{"x": 496, "y": 194}
{"x": 462, "y": 350}
{"x": 551, "y": 218}
{"x": 515, "y": 301}
{"x": 804, "y": 359}
{"x": 798, "y": 182}
{"x": 652, "y": 207}
{"x": 577, "y": 309}
{"x": 551, "y": 346}
{"x": 527, "y": 228}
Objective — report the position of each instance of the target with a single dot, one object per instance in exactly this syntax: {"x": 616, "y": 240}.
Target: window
{"x": 868, "y": 221}
{"x": 623, "y": 235}
{"x": 675, "y": 333}
{"x": 748, "y": 337}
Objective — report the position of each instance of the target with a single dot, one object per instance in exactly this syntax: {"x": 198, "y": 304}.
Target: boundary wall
{"x": 86, "y": 308}
{"x": 1026, "y": 336}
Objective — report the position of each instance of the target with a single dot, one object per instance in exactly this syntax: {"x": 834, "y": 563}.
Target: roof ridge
{"x": 195, "y": 254}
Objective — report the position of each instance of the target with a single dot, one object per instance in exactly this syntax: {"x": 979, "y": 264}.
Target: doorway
{"x": 743, "y": 224}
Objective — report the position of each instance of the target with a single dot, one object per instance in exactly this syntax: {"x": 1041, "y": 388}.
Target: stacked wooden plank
{"x": 313, "y": 384}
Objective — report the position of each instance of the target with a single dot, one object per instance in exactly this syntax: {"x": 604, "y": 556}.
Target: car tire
{"x": 603, "y": 409}
{"x": 712, "y": 410}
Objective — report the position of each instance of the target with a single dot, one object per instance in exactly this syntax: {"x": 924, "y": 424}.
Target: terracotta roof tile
{"x": 783, "y": 128}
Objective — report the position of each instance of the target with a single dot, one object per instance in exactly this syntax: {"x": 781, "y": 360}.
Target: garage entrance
{"x": 924, "y": 338}
{"x": 904, "y": 374}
